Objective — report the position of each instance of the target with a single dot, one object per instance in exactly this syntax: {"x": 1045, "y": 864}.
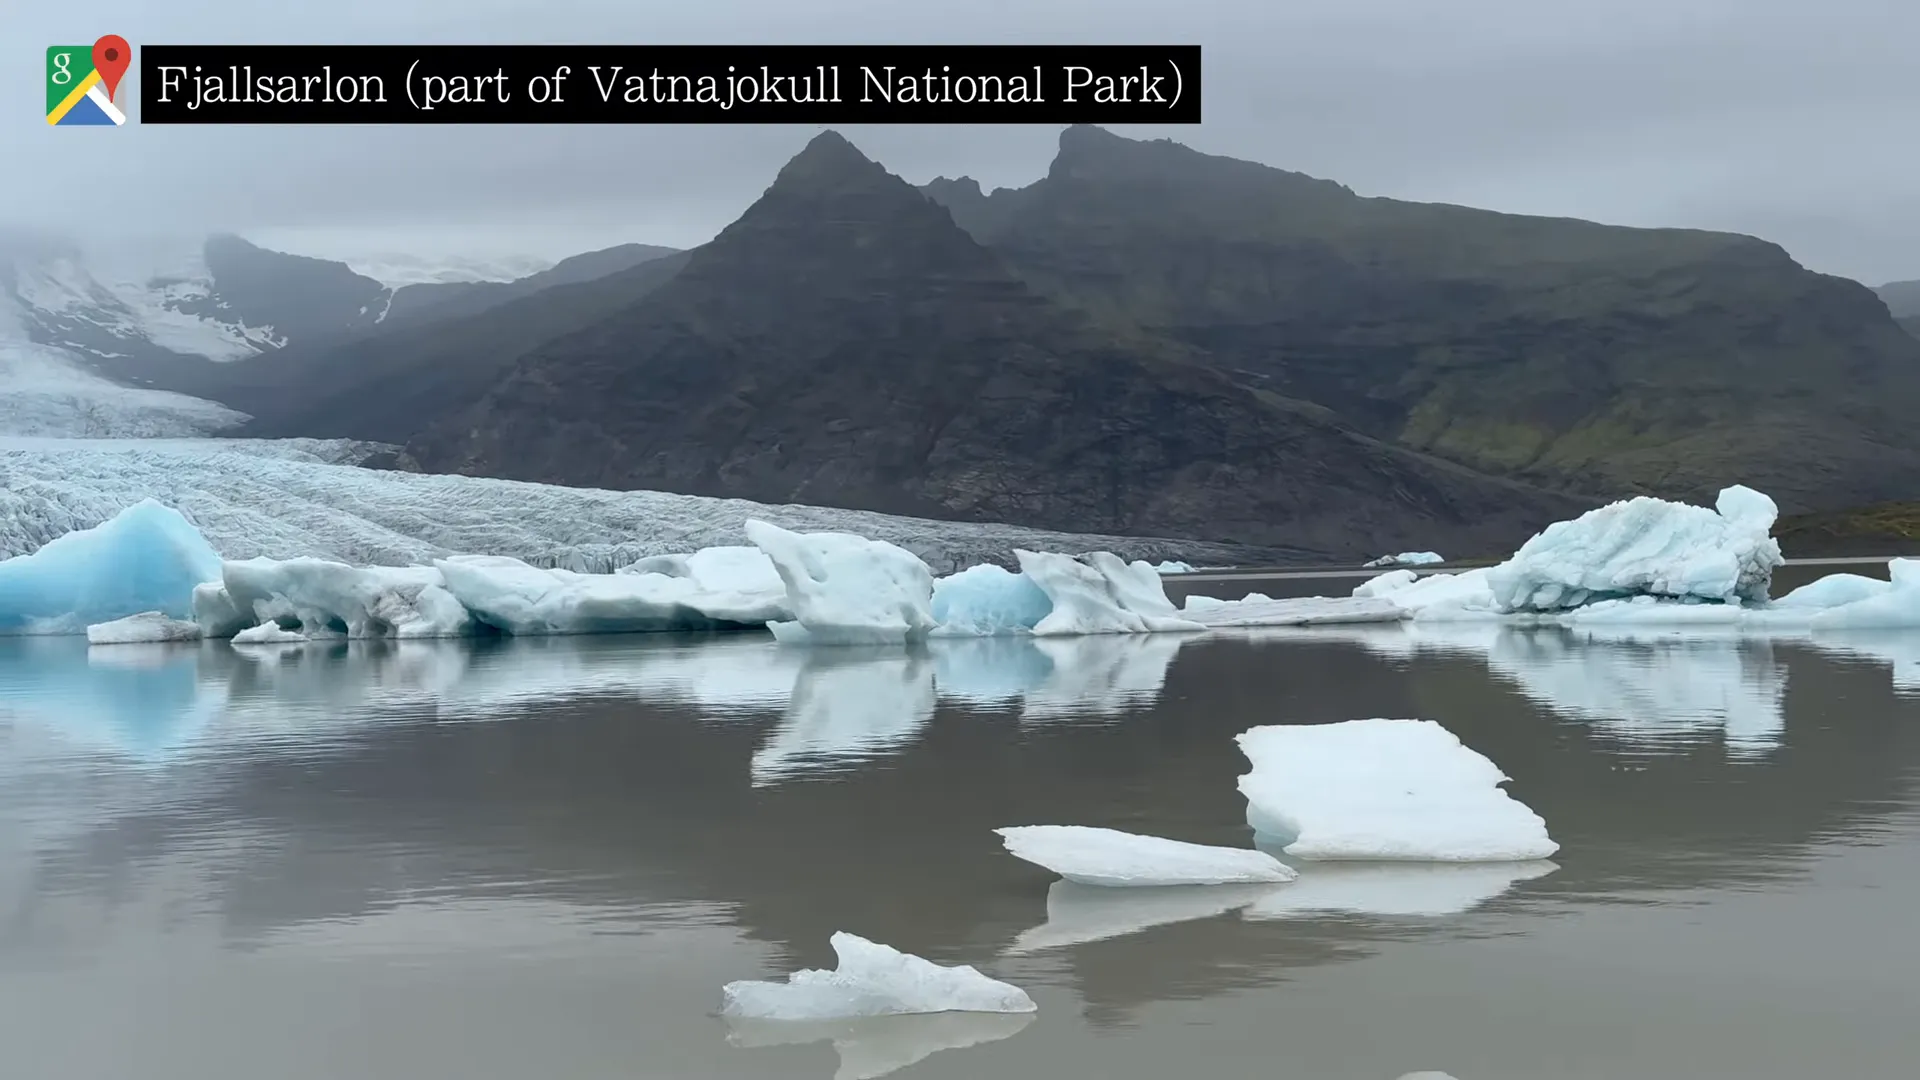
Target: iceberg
{"x": 146, "y": 627}
{"x": 1406, "y": 558}
{"x": 329, "y": 599}
{"x": 845, "y": 589}
{"x": 1100, "y": 594}
{"x": 988, "y": 600}
{"x": 1383, "y": 790}
{"x": 1173, "y": 566}
{"x": 1259, "y": 610}
{"x": 872, "y": 980}
{"x": 268, "y": 633}
{"x": 1108, "y": 857}
{"x": 520, "y": 599}
{"x": 146, "y": 558}
{"x": 1646, "y": 547}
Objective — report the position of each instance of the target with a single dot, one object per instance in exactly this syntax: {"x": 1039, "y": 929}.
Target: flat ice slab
{"x": 1259, "y": 610}
{"x": 1386, "y": 790}
{"x": 1112, "y": 858}
{"x": 147, "y": 626}
{"x": 872, "y": 980}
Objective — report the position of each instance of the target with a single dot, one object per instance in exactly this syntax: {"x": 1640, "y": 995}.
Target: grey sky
{"x": 1783, "y": 118}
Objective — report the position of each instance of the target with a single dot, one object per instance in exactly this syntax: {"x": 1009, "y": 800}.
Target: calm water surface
{"x": 544, "y": 858}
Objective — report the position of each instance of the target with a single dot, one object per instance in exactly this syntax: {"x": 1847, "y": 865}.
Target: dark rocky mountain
{"x": 449, "y": 299}
{"x": 844, "y": 343}
{"x": 384, "y": 384}
{"x": 1910, "y": 323}
{"x": 1563, "y": 352}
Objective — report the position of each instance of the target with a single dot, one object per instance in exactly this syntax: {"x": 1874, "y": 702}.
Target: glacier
{"x": 1383, "y": 790}
{"x": 872, "y": 980}
{"x": 1115, "y": 859}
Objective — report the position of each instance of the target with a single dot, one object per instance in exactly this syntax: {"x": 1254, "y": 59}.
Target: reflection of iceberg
{"x": 1392, "y": 889}
{"x": 1078, "y": 914}
{"x": 848, "y": 703}
{"x": 1055, "y": 677}
{"x": 1652, "y": 692}
{"x": 1899, "y": 650}
{"x": 879, "y": 1045}
{"x": 144, "y": 701}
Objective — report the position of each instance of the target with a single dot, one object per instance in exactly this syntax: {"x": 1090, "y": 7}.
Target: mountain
{"x": 845, "y": 343}
{"x": 1879, "y": 530}
{"x": 1901, "y": 297}
{"x": 1561, "y": 352}
{"x": 448, "y": 299}
{"x": 384, "y": 384}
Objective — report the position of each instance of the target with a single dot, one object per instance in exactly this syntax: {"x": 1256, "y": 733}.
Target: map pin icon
{"x": 111, "y": 58}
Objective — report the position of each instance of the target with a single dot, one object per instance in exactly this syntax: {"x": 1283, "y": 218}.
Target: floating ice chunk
{"x": 1435, "y": 597}
{"x": 988, "y": 600}
{"x": 1407, "y": 558}
{"x": 1834, "y": 590}
{"x": 1394, "y": 890}
{"x": 145, "y": 558}
{"x": 1112, "y": 858}
{"x": 332, "y": 599}
{"x": 510, "y": 595}
{"x": 846, "y": 590}
{"x": 1645, "y": 547}
{"x": 148, "y": 626}
{"x": 1386, "y": 584}
{"x": 1173, "y": 566}
{"x": 721, "y": 569}
{"x": 1384, "y": 789}
{"x": 1079, "y": 914}
{"x": 1294, "y": 611}
{"x": 872, "y": 980}
{"x": 1100, "y": 594}
{"x": 872, "y": 1047}
{"x": 268, "y": 633}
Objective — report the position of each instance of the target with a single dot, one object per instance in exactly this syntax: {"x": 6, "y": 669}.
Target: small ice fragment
{"x": 872, "y": 980}
{"x": 145, "y": 627}
{"x": 267, "y": 633}
{"x": 1386, "y": 790}
{"x": 1108, "y": 857}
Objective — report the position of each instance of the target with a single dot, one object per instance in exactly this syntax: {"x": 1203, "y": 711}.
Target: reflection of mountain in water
{"x": 616, "y": 775}
{"x": 876, "y": 1046}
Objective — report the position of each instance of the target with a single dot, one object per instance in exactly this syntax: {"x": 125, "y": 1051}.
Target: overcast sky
{"x": 1788, "y": 119}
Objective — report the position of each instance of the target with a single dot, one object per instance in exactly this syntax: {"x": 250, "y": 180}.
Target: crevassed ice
{"x": 1384, "y": 789}
{"x": 1108, "y": 857}
{"x": 872, "y": 980}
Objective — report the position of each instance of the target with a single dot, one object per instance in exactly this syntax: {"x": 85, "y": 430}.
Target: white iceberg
{"x": 268, "y": 633}
{"x": 1257, "y": 609}
{"x": 1100, "y": 594}
{"x": 1383, "y": 790}
{"x": 1646, "y": 547}
{"x": 845, "y": 589}
{"x": 1108, "y": 857}
{"x": 1173, "y": 566}
{"x": 145, "y": 558}
{"x": 720, "y": 569}
{"x": 1081, "y": 914}
{"x": 1407, "y": 558}
{"x": 148, "y": 626}
{"x": 872, "y": 980}
{"x": 524, "y": 600}
{"x": 876, "y": 1046}
{"x": 329, "y": 599}
{"x": 1392, "y": 890}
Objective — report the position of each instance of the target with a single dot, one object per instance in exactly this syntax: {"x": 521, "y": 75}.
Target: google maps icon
{"x": 81, "y": 82}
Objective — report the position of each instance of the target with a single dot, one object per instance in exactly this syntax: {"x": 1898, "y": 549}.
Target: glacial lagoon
{"x": 504, "y": 858}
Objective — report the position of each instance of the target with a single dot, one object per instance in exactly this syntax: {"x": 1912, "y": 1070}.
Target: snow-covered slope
{"x": 288, "y": 498}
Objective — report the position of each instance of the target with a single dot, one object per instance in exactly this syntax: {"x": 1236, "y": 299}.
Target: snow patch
{"x": 1092, "y": 856}
{"x": 872, "y": 980}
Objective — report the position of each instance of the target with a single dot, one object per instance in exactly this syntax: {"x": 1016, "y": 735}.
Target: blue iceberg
{"x": 146, "y": 558}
